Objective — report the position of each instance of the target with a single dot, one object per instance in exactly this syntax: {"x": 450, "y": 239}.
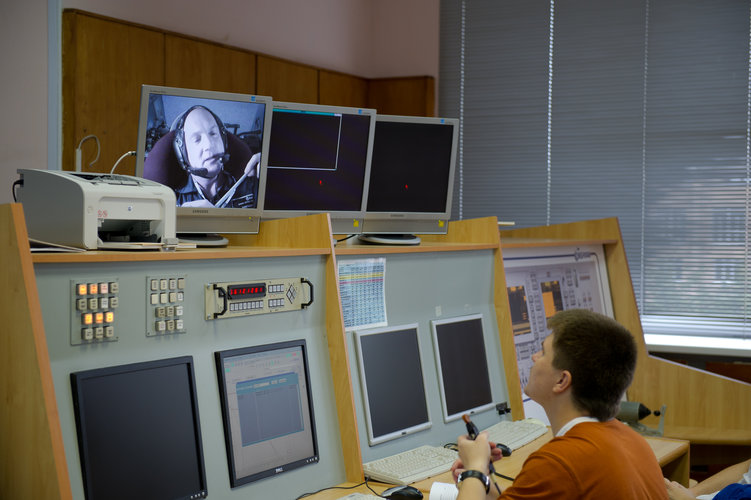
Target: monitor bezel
{"x": 372, "y": 438}
{"x": 77, "y": 379}
{"x": 434, "y": 326}
{"x": 210, "y": 220}
{"x": 342, "y": 221}
{"x": 274, "y": 470}
{"x": 394, "y": 222}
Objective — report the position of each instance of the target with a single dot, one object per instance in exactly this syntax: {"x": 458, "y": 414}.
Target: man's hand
{"x": 251, "y": 168}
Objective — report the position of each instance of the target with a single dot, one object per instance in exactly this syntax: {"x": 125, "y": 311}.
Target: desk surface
{"x": 672, "y": 455}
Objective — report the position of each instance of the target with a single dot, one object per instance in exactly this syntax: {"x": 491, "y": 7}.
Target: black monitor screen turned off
{"x": 392, "y": 382}
{"x": 138, "y": 431}
{"x": 462, "y": 366}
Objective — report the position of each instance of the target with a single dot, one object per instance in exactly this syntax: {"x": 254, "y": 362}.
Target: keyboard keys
{"x": 412, "y": 465}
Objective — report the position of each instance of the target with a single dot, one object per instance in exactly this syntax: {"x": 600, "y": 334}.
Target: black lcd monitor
{"x": 319, "y": 161}
{"x": 392, "y": 382}
{"x": 138, "y": 431}
{"x": 463, "y": 375}
{"x": 267, "y": 409}
{"x": 411, "y": 178}
{"x": 211, "y": 149}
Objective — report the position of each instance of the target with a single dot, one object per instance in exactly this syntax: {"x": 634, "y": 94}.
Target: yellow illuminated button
{"x": 99, "y": 318}
{"x": 109, "y": 317}
{"x": 93, "y": 288}
{"x": 87, "y": 319}
{"x": 81, "y": 289}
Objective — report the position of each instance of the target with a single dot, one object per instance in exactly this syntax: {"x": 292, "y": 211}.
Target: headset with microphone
{"x": 178, "y": 143}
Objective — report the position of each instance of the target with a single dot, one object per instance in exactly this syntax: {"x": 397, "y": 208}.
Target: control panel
{"x": 245, "y": 298}
{"x": 165, "y": 298}
{"x": 93, "y": 310}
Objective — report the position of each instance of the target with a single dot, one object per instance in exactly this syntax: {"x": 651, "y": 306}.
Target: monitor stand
{"x": 390, "y": 239}
{"x": 203, "y": 240}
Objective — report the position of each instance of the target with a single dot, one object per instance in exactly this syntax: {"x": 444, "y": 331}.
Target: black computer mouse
{"x": 402, "y": 493}
{"x": 505, "y": 450}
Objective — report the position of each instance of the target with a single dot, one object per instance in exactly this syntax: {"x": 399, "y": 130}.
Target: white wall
{"x": 368, "y": 38}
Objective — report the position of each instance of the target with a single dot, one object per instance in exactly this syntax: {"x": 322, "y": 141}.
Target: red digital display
{"x": 247, "y": 291}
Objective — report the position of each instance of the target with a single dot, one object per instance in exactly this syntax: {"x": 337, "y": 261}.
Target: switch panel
{"x": 165, "y": 305}
{"x": 245, "y": 298}
{"x": 93, "y": 310}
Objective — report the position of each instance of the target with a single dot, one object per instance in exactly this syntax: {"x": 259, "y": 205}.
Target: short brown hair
{"x": 599, "y": 353}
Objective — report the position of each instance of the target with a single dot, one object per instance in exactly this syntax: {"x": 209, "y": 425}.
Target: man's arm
{"x": 726, "y": 476}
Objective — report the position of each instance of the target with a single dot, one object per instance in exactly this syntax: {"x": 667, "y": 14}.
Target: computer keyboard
{"x": 516, "y": 434}
{"x": 412, "y": 465}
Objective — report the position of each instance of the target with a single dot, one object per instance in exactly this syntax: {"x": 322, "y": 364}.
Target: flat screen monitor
{"x": 392, "y": 382}
{"x": 319, "y": 161}
{"x": 463, "y": 375}
{"x": 411, "y": 178}
{"x": 138, "y": 431}
{"x": 211, "y": 149}
{"x": 267, "y": 408}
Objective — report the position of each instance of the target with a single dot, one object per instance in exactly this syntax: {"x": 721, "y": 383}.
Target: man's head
{"x": 200, "y": 142}
{"x": 599, "y": 353}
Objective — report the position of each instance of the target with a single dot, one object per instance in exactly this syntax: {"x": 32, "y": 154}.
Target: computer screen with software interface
{"x": 267, "y": 408}
{"x": 463, "y": 375}
{"x": 392, "y": 382}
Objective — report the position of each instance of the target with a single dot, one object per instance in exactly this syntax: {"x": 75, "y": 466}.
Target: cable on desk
{"x": 507, "y": 478}
{"x": 305, "y": 495}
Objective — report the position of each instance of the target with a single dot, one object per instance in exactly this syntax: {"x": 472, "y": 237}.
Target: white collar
{"x": 571, "y": 423}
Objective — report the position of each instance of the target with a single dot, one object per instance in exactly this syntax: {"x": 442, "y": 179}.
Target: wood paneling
{"x": 201, "y": 65}
{"x": 338, "y": 89}
{"x": 104, "y": 65}
{"x": 287, "y": 81}
{"x": 105, "y": 62}
{"x": 32, "y": 457}
{"x": 414, "y": 96}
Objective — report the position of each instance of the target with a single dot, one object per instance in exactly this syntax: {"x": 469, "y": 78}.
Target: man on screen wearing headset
{"x": 200, "y": 144}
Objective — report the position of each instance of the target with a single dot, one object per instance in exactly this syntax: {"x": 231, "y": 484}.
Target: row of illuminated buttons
{"x": 276, "y": 288}
{"x": 244, "y": 306}
{"x": 166, "y": 297}
{"x": 95, "y": 303}
{"x": 97, "y": 288}
{"x": 99, "y": 332}
{"x": 97, "y": 318}
{"x": 169, "y": 325}
{"x": 167, "y": 284}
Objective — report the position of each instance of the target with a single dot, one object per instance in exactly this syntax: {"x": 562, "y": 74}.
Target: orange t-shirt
{"x": 592, "y": 461}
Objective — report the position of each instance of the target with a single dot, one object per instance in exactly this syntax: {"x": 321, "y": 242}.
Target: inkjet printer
{"x": 97, "y": 211}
